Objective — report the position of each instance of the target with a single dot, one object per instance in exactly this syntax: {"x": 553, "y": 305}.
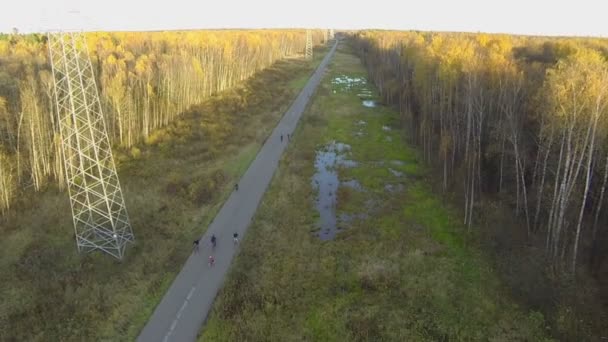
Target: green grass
{"x": 174, "y": 184}
{"x": 404, "y": 273}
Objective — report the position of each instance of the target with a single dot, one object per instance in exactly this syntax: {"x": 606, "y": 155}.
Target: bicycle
{"x": 213, "y": 241}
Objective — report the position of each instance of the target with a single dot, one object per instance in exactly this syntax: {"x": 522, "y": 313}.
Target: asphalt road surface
{"x": 184, "y": 308}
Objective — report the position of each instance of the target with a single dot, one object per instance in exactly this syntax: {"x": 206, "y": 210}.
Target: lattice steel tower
{"x": 308, "y": 53}
{"x": 98, "y": 206}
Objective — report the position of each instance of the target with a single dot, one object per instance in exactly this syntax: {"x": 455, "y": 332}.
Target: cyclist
{"x": 235, "y": 238}
{"x": 213, "y": 240}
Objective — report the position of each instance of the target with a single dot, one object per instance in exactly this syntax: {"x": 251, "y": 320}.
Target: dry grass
{"x": 173, "y": 185}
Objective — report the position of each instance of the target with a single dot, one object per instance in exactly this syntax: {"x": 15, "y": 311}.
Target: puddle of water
{"x": 347, "y": 163}
{"x": 361, "y": 123}
{"x": 395, "y": 172}
{"x": 386, "y": 128}
{"x": 346, "y": 83}
{"x": 353, "y": 184}
{"x": 337, "y": 147}
{"x": 349, "y": 218}
{"x": 343, "y": 79}
{"x": 393, "y": 187}
{"x": 382, "y": 163}
{"x": 370, "y": 205}
{"x": 359, "y": 134}
{"x": 326, "y": 182}
{"x": 369, "y": 103}
{"x": 388, "y": 138}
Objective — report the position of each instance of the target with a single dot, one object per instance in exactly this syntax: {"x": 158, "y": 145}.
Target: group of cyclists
{"x": 235, "y": 236}
{"x": 235, "y": 240}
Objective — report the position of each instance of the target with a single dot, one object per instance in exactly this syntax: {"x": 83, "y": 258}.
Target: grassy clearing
{"x": 401, "y": 274}
{"x": 173, "y": 184}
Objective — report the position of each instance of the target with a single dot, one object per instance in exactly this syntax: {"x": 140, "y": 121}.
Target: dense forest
{"x": 522, "y": 117}
{"x": 518, "y": 123}
{"x": 145, "y": 80}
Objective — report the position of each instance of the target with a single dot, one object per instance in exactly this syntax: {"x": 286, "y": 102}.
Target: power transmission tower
{"x": 98, "y": 207}
{"x": 308, "y": 53}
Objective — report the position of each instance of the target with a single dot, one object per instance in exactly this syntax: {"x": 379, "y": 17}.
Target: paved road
{"x": 186, "y": 304}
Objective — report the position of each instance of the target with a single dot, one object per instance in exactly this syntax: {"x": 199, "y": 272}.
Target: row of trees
{"x": 524, "y": 117}
{"x": 145, "y": 80}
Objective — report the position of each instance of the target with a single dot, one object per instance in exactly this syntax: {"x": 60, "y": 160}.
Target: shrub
{"x": 158, "y": 136}
{"x": 135, "y": 152}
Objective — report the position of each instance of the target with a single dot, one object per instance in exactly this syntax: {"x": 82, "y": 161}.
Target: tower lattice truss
{"x": 308, "y": 53}
{"x": 98, "y": 207}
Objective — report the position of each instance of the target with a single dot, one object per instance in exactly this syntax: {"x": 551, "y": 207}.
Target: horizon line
{"x": 95, "y": 30}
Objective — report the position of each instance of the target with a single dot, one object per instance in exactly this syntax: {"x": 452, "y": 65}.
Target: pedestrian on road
{"x": 211, "y": 261}
{"x": 288, "y": 137}
{"x": 235, "y": 238}
{"x": 281, "y": 137}
{"x": 236, "y": 187}
{"x": 196, "y": 245}
{"x": 213, "y": 241}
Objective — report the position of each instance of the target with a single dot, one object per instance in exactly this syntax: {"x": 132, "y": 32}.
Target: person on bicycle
{"x": 213, "y": 240}
{"x": 196, "y": 245}
{"x": 235, "y": 238}
{"x": 211, "y": 261}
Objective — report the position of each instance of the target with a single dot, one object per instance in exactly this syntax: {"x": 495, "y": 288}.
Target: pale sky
{"x": 546, "y": 17}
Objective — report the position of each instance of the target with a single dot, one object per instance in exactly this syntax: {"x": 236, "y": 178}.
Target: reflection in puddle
{"x": 326, "y": 182}
{"x": 369, "y": 103}
{"x": 393, "y": 187}
{"x": 347, "y": 163}
{"x": 349, "y": 218}
{"x": 360, "y": 132}
{"x": 365, "y": 93}
{"x": 353, "y": 184}
{"x": 395, "y": 172}
{"x": 380, "y": 163}
{"x": 347, "y": 83}
{"x": 348, "y": 80}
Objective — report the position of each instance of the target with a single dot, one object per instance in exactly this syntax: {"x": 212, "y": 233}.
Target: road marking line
{"x": 179, "y": 314}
